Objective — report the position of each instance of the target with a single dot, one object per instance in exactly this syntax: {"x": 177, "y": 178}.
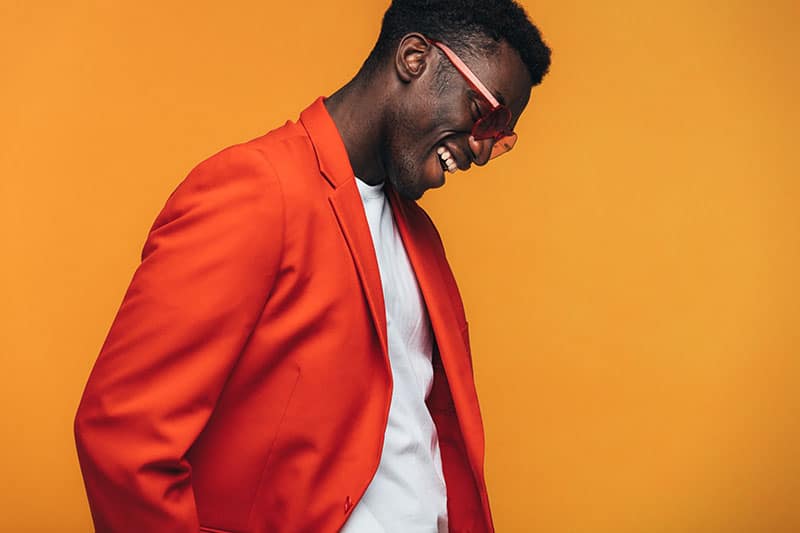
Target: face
{"x": 434, "y": 115}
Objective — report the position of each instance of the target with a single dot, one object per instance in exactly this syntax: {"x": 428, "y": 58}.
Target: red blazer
{"x": 245, "y": 383}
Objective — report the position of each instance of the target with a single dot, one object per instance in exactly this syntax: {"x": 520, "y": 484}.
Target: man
{"x": 292, "y": 353}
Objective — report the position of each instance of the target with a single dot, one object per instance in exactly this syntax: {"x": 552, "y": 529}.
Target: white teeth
{"x": 447, "y": 158}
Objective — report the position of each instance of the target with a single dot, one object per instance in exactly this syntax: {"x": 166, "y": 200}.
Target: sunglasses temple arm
{"x": 465, "y": 70}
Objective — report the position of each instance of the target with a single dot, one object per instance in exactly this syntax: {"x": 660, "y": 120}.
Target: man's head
{"x": 429, "y": 103}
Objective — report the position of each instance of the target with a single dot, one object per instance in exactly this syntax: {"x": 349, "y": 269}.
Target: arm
{"x": 208, "y": 266}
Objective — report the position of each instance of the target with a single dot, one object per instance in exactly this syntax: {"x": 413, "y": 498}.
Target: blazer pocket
{"x": 204, "y": 529}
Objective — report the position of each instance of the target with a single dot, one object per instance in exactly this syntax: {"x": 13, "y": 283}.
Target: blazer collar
{"x": 334, "y": 163}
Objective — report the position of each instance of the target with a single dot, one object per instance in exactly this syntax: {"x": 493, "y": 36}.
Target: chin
{"x": 424, "y": 176}
{"x": 408, "y": 190}
{"x": 413, "y": 190}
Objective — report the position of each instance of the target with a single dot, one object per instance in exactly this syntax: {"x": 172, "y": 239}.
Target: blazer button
{"x": 348, "y": 504}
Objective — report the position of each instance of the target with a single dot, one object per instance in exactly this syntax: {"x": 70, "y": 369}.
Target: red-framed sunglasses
{"x": 496, "y": 123}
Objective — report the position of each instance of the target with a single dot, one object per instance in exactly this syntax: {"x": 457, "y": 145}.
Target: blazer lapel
{"x": 334, "y": 164}
{"x": 349, "y": 210}
{"x": 419, "y": 240}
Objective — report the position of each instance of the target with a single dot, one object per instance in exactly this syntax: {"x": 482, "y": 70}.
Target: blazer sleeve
{"x": 208, "y": 266}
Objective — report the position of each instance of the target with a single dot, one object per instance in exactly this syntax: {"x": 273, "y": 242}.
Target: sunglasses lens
{"x": 495, "y": 126}
{"x": 503, "y": 145}
{"x": 492, "y": 125}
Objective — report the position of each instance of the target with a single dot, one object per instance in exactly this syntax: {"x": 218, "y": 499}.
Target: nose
{"x": 482, "y": 149}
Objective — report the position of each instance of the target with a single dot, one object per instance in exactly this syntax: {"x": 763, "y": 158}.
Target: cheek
{"x": 436, "y": 115}
{"x": 443, "y": 118}
{"x": 415, "y": 131}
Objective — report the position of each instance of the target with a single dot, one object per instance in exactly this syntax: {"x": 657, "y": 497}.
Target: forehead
{"x": 504, "y": 73}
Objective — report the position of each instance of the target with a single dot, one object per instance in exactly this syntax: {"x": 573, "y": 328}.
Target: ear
{"x": 412, "y": 57}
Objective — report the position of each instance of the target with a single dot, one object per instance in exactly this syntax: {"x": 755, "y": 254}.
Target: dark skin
{"x": 393, "y": 121}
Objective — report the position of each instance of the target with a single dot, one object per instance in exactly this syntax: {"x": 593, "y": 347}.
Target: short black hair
{"x": 467, "y": 26}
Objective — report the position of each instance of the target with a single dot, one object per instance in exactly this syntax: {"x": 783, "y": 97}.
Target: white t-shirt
{"x": 407, "y": 494}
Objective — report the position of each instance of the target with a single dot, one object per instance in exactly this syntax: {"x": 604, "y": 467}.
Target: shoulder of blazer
{"x": 240, "y": 167}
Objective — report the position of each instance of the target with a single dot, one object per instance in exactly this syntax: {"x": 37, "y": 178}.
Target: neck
{"x": 356, "y": 109}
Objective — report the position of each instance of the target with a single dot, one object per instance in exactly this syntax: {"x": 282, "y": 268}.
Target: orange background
{"x": 630, "y": 271}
